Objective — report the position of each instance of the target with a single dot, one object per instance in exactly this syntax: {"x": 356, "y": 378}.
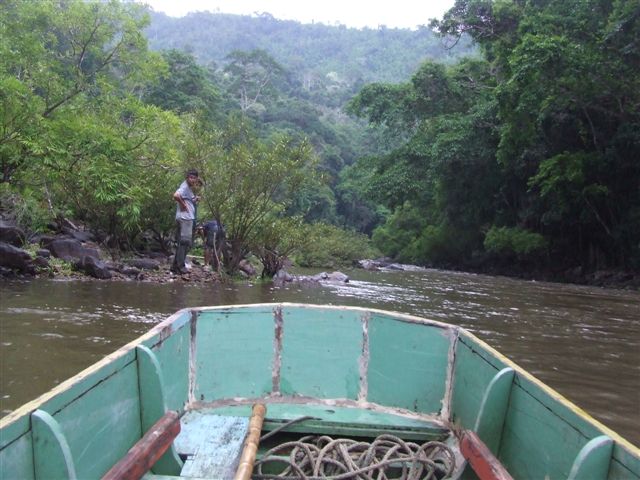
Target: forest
{"x": 503, "y": 137}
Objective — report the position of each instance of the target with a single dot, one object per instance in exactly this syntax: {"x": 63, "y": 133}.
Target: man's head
{"x": 192, "y": 177}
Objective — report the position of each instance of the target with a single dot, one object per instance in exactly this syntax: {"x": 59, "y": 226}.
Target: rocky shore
{"x": 627, "y": 280}
{"x": 69, "y": 252}
{"x": 74, "y": 253}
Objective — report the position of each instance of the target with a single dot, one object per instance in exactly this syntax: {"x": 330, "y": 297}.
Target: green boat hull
{"x": 357, "y": 372}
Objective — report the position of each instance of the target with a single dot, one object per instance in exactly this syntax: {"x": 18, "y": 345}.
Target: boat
{"x": 270, "y": 391}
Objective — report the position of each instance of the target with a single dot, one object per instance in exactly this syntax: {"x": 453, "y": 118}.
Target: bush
{"x": 408, "y": 237}
{"x": 395, "y": 237}
{"x": 509, "y": 241}
{"x": 276, "y": 240}
{"x": 435, "y": 245}
{"x": 28, "y": 211}
{"x": 330, "y": 247}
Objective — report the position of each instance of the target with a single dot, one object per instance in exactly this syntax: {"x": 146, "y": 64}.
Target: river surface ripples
{"x": 582, "y": 341}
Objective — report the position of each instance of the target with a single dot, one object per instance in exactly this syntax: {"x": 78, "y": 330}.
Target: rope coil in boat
{"x": 386, "y": 458}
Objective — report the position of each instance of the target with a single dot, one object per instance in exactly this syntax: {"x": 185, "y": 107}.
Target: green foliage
{"x": 78, "y": 138}
{"x": 294, "y": 79}
{"x": 104, "y": 182}
{"x": 328, "y": 246}
{"x": 25, "y": 207}
{"x": 323, "y": 57}
{"x": 439, "y": 244}
{"x": 540, "y": 137}
{"x": 315, "y": 202}
{"x": 20, "y": 124}
{"x": 276, "y": 240}
{"x": 399, "y": 231}
{"x": 61, "y": 267}
{"x": 185, "y": 87}
{"x": 516, "y": 241}
{"x": 408, "y": 236}
{"x": 355, "y": 209}
{"x": 384, "y": 104}
{"x": 246, "y": 180}
{"x": 250, "y": 77}
{"x": 442, "y": 182}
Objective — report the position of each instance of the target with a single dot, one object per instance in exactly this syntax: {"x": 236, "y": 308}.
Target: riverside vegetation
{"x": 513, "y": 152}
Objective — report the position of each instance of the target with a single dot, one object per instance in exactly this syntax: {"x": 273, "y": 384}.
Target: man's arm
{"x": 178, "y": 198}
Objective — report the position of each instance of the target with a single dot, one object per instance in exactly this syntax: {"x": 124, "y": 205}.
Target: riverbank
{"x": 73, "y": 253}
{"x": 618, "y": 279}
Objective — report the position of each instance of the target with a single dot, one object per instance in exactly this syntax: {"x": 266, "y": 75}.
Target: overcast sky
{"x": 352, "y": 13}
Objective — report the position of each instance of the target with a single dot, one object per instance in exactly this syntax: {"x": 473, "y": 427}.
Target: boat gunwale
{"x": 34, "y": 404}
{"x": 554, "y": 394}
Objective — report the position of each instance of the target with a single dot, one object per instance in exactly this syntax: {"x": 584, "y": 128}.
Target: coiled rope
{"x": 387, "y": 457}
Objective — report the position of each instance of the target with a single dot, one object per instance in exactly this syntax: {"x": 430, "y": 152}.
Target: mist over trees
{"x": 308, "y": 51}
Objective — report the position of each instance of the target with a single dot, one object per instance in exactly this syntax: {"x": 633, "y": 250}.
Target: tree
{"x": 76, "y": 134}
{"x": 568, "y": 101}
{"x": 59, "y": 52}
{"x": 252, "y": 76}
{"x": 277, "y": 239}
{"x": 109, "y": 171}
{"x": 246, "y": 180}
{"x": 185, "y": 87}
{"x": 441, "y": 182}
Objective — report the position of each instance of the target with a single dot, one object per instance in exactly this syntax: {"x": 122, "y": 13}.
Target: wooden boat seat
{"x": 345, "y": 421}
{"x": 210, "y": 444}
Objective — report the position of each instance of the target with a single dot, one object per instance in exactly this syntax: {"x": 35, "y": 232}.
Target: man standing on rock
{"x": 185, "y": 219}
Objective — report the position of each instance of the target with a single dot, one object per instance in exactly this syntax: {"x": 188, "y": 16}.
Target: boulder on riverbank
{"x": 16, "y": 259}
{"x": 283, "y": 278}
{"x": 388, "y": 264}
{"x": 144, "y": 263}
{"x": 93, "y": 267}
{"x": 62, "y": 253}
{"x": 11, "y": 234}
{"x": 68, "y": 251}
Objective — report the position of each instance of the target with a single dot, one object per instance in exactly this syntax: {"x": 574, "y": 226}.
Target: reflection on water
{"x": 584, "y": 342}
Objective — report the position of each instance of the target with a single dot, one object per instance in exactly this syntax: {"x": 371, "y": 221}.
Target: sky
{"x": 352, "y": 13}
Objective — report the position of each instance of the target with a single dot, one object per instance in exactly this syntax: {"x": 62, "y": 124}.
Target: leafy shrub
{"x": 276, "y": 240}
{"x": 435, "y": 245}
{"x": 25, "y": 208}
{"x": 396, "y": 235}
{"x": 329, "y": 246}
{"x": 514, "y": 241}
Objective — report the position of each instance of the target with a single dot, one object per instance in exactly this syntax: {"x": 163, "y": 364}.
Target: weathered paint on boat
{"x": 357, "y": 371}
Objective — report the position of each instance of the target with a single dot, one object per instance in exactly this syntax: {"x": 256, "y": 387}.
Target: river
{"x": 582, "y": 341}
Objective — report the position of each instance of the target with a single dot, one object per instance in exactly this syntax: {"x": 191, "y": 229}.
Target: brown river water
{"x": 582, "y": 341}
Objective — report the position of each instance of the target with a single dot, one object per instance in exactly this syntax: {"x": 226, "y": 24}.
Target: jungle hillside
{"x": 501, "y": 138}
